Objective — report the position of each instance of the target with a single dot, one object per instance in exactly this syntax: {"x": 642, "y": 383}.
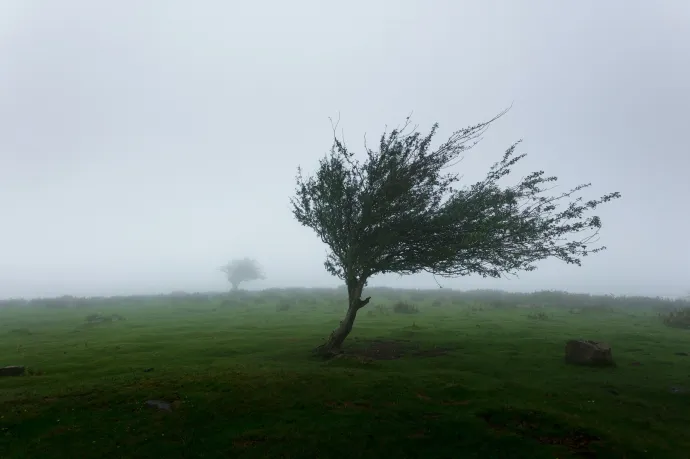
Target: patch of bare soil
{"x": 247, "y": 441}
{"x": 392, "y": 349}
{"x": 541, "y": 428}
{"x": 435, "y": 351}
{"x": 348, "y": 405}
{"x": 380, "y": 349}
{"x": 418, "y": 434}
{"x": 455, "y": 402}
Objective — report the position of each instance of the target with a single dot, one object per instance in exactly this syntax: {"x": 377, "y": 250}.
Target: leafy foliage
{"x": 679, "y": 318}
{"x": 398, "y": 211}
{"x": 455, "y": 298}
{"x": 383, "y": 310}
{"x": 242, "y": 270}
{"x": 95, "y": 319}
{"x": 405, "y": 308}
{"x": 284, "y": 305}
{"x": 538, "y": 315}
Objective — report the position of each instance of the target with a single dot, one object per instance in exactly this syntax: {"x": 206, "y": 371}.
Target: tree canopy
{"x": 400, "y": 211}
{"x": 242, "y": 270}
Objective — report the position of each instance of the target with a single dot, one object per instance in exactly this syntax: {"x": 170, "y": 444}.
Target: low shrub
{"x": 680, "y": 318}
{"x": 95, "y": 319}
{"x": 20, "y": 331}
{"x": 283, "y": 305}
{"x": 231, "y": 303}
{"x": 596, "y": 309}
{"x": 405, "y": 308}
{"x": 538, "y": 316}
{"x": 381, "y": 309}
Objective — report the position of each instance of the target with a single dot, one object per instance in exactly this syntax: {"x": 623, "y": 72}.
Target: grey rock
{"x": 161, "y": 405}
{"x": 13, "y": 370}
{"x": 587, "y": 352}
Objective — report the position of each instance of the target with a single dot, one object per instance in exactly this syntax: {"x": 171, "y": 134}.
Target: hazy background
{"x": 144, "y": 144}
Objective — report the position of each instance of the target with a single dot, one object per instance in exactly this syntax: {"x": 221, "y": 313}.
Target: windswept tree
{"x": 398, "y": 211}
{"x": 242, "y": 270}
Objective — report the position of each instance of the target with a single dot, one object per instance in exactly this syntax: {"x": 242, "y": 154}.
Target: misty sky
{"x": 144, "y": 144}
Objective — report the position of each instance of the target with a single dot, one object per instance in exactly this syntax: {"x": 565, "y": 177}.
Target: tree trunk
{"x": 337, "y": 337}
{"x": 235, "y": 286}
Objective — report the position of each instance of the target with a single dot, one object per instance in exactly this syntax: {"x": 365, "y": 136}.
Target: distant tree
{"x": 242, "y": 270}
{"x": 398, "y": 212}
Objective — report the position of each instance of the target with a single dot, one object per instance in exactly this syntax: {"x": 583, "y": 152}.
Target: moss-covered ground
{"x": 458, "y": 379}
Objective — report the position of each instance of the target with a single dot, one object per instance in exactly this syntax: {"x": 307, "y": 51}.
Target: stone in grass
{"x": 161, "y": 405}
{"x": 587, "y": 352}
{"x": 13, "y": 370}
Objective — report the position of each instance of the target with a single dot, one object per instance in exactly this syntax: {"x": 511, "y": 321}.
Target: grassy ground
{"x": 461, "y": 380}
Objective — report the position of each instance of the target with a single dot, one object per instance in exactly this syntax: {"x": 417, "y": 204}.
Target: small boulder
{"x": 160, "y": 404}
{"x": 13, "y": 370}
{"x": 586, "y": 352}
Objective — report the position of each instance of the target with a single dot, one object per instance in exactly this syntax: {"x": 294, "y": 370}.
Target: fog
{"x": 145, "y": 144}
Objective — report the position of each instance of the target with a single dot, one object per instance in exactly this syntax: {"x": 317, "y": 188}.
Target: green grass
{"x": 244, "y": 384}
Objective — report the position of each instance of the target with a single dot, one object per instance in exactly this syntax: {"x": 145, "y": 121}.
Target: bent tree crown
{"x": 400, "y": 211}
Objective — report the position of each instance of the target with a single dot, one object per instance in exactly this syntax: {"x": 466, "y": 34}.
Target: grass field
{"x": 462, "y": 378}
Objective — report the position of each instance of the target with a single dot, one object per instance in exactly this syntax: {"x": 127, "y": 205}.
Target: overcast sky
{"x": 144, "y": 144}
